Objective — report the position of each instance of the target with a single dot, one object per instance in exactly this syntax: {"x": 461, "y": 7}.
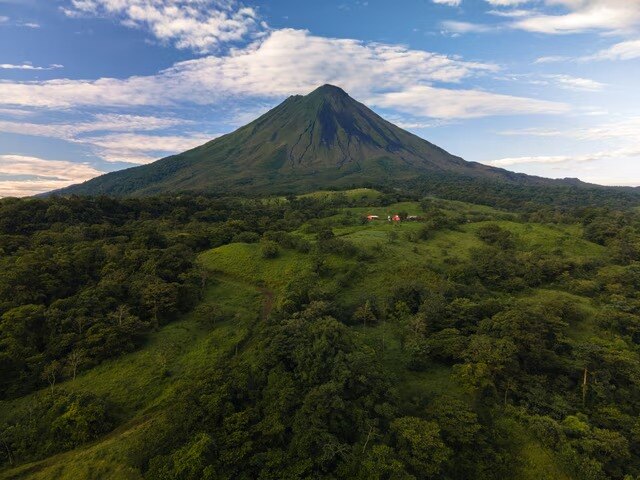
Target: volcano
{"x": 325, "y": 139}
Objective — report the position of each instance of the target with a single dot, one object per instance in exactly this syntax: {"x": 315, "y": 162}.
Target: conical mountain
{"x": 323, "y": 139}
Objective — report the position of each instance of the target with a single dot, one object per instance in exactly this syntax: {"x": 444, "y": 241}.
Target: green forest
{"x": 486, "y": 335}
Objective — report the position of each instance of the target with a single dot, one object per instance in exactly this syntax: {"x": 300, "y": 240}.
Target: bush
{"x": 246, "y": 237}
{"x": 269, "y": 249}
{"x": 52, "y": 423}
{"x": 492, "y": 234}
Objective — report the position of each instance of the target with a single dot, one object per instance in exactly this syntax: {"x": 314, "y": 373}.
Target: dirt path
{"x": 268, "y": 300}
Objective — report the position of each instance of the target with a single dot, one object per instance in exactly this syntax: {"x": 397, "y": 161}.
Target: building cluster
{"x": 393, "y": 218}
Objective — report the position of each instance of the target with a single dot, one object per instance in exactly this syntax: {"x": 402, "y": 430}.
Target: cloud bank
{"x": 293, "y": 62}
{"x": 23, "y": 176}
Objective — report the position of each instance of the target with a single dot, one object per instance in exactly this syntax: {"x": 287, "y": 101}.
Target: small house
{"x": 372, "y": 217}
{"x": 396, "y": 218}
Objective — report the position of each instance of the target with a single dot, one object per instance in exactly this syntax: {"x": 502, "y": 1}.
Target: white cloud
{"x": 293, "y": 61}
{"x": 447, "y": 104}
{"x": 618, "y": 140}
{"x": 628, "y": 50}
{"x": 114, "y": 147}
{"x": 584, "y": 15}
{"x": 510, "y": 13}
{"x": 15, "y": 112}
{"x": 28, "y": 66}
{"x": 604, "y": 155}
{"x": 286, "y": 62}
{"x": 201, "y": 25}
{"x": 289, "y": 62}
{"x": 511, "y": 161}
{"x": 506, "y": 3}
{"x": 134, "y": 148}
{"x": 625, "y": 129}
{"x": 611, "y": 181}
{"x": 552, "y": 59}
{"x": 100, "y": 122}
{"x": 4, "y": 21}
{"x": 454, "y": 26}
{"x": 42, "y": 175}
{"x": 451, "y": 3}
{"x": 575, "y": 83}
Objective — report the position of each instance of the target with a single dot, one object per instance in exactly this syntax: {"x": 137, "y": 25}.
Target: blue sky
{"x": 546, "y": 87}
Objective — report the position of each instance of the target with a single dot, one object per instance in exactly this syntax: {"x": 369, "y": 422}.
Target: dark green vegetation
{"x": 203, "y": 338}
{"x": 328, "y": 140}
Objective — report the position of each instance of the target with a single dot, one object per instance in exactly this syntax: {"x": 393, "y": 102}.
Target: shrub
{"x": 270, "y": 249}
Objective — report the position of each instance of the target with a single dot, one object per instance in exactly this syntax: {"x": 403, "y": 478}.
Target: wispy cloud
{"x": 23, "y": 176}
{"x": 28, "y": 66}
{"x": 627, "y": 50}
{"x": 450, "y": 3}
{"x": 112, "y": 146}
{"x": 98, "y": 123}
{"x": 15, "y": 112}
{"x": 552, "y": 59}
{"x": 449, "y": 104}
{"x": 556, "y": 17}
{"x": 200, "y": 25}
{"x": 507, "y": 3}
{"x": 569, "y": 82}
{"x": 627, "y": 128}
{"x": 603, "y": 155}
{"x": 582, "y": 16}
{"x": 456, "y": 27}
{"x": 510, "y": 13}
{"x": 6, "y": 21}
{"x": 564, "y": 81}
{"x": 133, "y": 148}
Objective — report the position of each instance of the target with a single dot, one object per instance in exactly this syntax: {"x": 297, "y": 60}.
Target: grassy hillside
{"x": 371, "y": 272}
{"x": 142, "y": 384}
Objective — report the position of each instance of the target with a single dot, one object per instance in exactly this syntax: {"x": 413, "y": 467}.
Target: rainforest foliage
{"x": 212, "y": 338}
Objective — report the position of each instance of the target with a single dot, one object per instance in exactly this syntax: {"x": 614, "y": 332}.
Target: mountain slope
{"x": 324, "y": 139}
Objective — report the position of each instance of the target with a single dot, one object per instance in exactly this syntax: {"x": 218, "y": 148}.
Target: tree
{"x": 447, "y": 345}
{"x": 364, "y": 314}
{"x": 159, "y": 297}
{"x": 381, "y": 462}
{"x": 419, "y": 445}
{"x": 203, "y": 276}
{"x": 457, "y": 421}
{"x": 74, "y": 360}
{"x": 51, "y": 372}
